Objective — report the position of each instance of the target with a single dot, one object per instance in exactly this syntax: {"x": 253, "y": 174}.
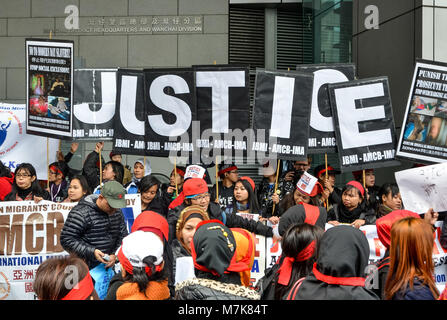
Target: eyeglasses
{"x": 21, "y": 175}
{"x": 201, "y": 197}
{"x": 234, "y": 171}
{"x": 52, "y": 172}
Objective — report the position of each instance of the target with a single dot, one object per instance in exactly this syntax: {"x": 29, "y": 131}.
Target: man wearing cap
{"x": 228, "y": 174}
{"x": 330, "y": 191}
{"x": 95, "y": 227}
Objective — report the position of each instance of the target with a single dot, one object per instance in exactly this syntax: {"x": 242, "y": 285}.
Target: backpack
{"x": 294, "y": 290}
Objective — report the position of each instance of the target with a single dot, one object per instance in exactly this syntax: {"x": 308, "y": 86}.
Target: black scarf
{"x": 346, "y": 216}
{"x": 339, "y": 272}
{"x": 22, "y": 193}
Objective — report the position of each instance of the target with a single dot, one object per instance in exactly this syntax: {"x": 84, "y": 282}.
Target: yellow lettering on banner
{"x": 34, "y": 219}
{"x": 11, "y": 234}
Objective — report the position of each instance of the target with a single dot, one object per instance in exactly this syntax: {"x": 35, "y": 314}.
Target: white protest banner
{"x": 258, "y": 269}
{"x": 16, "y": 146}
{"x": 194, "y": 171}
{"x": 249, "y": 216}
{"x": 306, "y": 183}
{"x": 30, "y": 234}
{"x": 423, "y": 188}
{"x": 439, "y": 259}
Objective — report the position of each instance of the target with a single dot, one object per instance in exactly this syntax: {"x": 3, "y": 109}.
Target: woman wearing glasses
{"x": 26, "y": 186}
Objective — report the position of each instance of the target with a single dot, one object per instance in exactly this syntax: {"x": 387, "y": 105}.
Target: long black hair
{"x": 36, "y": 190}
{"x": 252, "y": 198}
{"x": 147, "y": 182}
{"x": 140, "y": 276}
{"x": 388, "y": 188}
{"x": 118, "y": 170}
{"x": 296, "y": 238}
{"x": 4, "y": 171}
{"x": 83, "y": 182}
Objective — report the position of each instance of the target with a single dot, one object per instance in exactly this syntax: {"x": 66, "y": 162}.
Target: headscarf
{"x": 147, "y": 168}
{"x": 213, "y": 249}
{"x": 152, "y": 222}
{"x": 186, "y": 214}
{"x": 302, "y": 213}
{"x": 338, "y": 273}
{"x": 385, "y": 223}
{"x": 245, "y": 252}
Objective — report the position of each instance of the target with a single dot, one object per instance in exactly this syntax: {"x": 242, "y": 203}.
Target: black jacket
{"x": 91, "y": 169}
{"x": 336, "y": 213}
{"x": 88, "y": 228}
{"x": 343, "y": 254}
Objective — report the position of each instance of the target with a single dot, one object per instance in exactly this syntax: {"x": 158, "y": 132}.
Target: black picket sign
{"x": 49, "y": 89}
{"x": 129, "y": 120}
{"x": 321, "y": 131}
{"x": 364, "y": 125}
{"x": 282, "y": 108}
{"x": 94, "y": 104}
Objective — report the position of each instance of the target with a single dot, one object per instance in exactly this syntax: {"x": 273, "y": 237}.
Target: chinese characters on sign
{"x": 138, "y": 24}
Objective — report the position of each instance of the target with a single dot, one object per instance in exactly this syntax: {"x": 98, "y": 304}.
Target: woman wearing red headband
{"x": 214, "y": 253}
{"x": 299, "y": 250}
{"x": 352, "y": 209}
{"x": 53, "y": 276}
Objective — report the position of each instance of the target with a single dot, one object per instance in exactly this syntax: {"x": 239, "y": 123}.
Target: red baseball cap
{"x": 194, "y": 186}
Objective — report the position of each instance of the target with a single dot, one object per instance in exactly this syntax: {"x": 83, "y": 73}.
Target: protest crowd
{"x": 113, "y": 231}
{"x": 191, "y": 240}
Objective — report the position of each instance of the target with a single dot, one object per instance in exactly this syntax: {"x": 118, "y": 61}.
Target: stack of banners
{"x": 16, "y": 146}
{"x": 94, "y": 104}
{"x": 49, "y": 94}
{"x": 364, "y": 125}
{"x": 282, "y": 113}
{"x": 424, "y": 131}
{"x": 30, "y": 234}
{"x": 423, "y": 188}
{"x": 178, "y": 112}
{"x": 321, "y": 131}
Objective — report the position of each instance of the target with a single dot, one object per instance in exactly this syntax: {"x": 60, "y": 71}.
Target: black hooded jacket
{"x": 343, "y": 254}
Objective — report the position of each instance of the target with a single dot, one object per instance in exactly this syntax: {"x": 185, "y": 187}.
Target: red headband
{"x": 56, "y": 169}
{"x": 220, "y": 172}
{"x": 329, "y": 168}
{"x": 180, "y": 172}
{"x": 342, "y": 281}
{"x": 285, "y": 271}
{"x": 82, "y": 290}
{"x": 358, "y": 186}
{"x": 250, "y": 181}
{"x": 129, "y": 267}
